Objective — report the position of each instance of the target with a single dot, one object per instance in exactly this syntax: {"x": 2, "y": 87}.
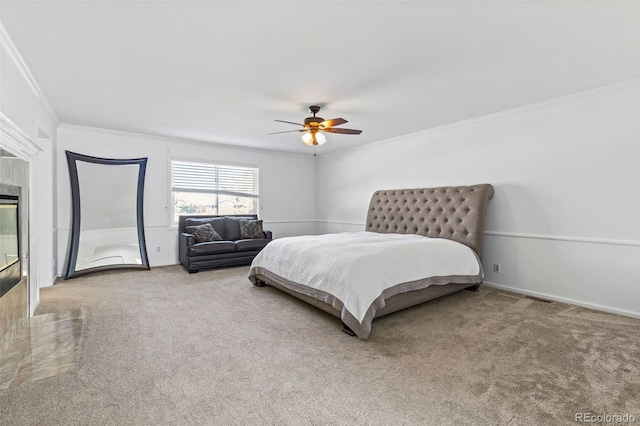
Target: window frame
{"x": 172, "y": 191}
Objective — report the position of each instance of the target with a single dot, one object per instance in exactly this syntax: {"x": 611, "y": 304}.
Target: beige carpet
{"x": 166, "y": 347}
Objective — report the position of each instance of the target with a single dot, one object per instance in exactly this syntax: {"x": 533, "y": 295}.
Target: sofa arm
{"x": 268, "y": 234}
{"x": 185, "y": 240}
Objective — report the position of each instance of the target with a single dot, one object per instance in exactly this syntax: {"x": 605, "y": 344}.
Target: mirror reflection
{"x": 108, "y": 222}
{"x": 108, "y": 230}
{"x": 9, "y": 243}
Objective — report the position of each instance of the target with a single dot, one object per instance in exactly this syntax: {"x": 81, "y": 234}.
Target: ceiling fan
{"x": 313, "y": 126}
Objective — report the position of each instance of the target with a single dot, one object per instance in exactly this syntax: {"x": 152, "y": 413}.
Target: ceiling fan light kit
{"x": 312, "y": 138}
{"x": 314, "y": 126}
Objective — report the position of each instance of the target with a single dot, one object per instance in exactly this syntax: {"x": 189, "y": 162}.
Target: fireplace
{"x": 10, "y": 269}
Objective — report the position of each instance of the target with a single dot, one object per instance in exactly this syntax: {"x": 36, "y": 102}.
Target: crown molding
{"x": 173, "y": 139}
{"x": 493, "y": 116}
{"x": 15, "y": 140}
{"x": 16, "y": 58}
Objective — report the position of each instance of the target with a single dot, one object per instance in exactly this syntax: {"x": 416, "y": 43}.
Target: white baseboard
{"x": 540, "y": 295}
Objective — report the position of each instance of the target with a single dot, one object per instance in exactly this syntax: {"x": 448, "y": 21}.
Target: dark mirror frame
{"x": 72, "y": 158}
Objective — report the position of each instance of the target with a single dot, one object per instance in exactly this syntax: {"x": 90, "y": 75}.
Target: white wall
{"x": 28, "y": 121}
{"x": 43, "y": 224}
{"x": 565, "y": 219}
{"x": 564, "y": 223}
{"x": 286, "y": 184}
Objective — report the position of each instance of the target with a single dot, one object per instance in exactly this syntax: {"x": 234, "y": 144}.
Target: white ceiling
{"x": 222, "y": 71}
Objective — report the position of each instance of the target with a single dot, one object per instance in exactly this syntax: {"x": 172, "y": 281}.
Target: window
{"x": 209, "y": 189}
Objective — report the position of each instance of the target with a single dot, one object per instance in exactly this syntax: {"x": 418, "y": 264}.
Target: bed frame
{"x": 456, "y": 213}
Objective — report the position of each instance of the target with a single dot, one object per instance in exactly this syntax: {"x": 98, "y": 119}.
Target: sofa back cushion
{"x": 217, "y": 223}
{"x": 232, "y": 227}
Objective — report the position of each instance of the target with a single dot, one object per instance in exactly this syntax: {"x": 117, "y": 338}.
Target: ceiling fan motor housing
{"x": 313, "y": 121}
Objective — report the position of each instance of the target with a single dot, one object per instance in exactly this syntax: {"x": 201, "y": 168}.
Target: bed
{"x": 359, "y": 276}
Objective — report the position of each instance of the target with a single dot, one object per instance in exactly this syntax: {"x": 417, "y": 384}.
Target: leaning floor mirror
{"x": 107, "y": 230}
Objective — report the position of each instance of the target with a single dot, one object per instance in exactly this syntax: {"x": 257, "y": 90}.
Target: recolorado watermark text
{"x": 604, "y": 418}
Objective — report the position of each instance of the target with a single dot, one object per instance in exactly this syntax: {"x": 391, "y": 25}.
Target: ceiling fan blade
{"x": 343, "y": 131}
{"x": 289, "y": 131}
{"x": 289, "y": 122}
{"x": 333, "y": 122}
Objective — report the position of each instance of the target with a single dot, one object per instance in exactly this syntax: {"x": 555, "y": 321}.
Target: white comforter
{"x": 356, "y": 267}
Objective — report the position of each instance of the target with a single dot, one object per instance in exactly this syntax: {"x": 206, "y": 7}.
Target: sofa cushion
{"x": 213, "y": 247}
{"x": 204, "y": 233}
{"x": 251, "y": 244}
{"x": 232, "y": 227}
{"x": 251, "y": 229}
{"x": 216, "y": 222}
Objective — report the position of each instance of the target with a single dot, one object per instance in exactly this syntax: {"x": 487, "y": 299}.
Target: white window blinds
{"x": 237, "y": 179}
{"x": 214, "y": 178}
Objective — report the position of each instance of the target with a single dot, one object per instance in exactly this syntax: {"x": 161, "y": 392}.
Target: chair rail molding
{"x": 342, "y": 222}
{"x": 630, "y": 243}
{"x": 290, "y": 221}
{"x": 573, "y": 239}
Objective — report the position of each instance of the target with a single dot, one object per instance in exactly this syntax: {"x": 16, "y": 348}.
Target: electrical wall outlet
{"x": 497, "y": 268}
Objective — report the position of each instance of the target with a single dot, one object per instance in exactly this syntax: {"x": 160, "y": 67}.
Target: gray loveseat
{"x": 232, "y": 250}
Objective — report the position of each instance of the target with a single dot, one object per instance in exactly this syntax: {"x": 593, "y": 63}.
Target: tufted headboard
{"x": 453, "y": 212}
